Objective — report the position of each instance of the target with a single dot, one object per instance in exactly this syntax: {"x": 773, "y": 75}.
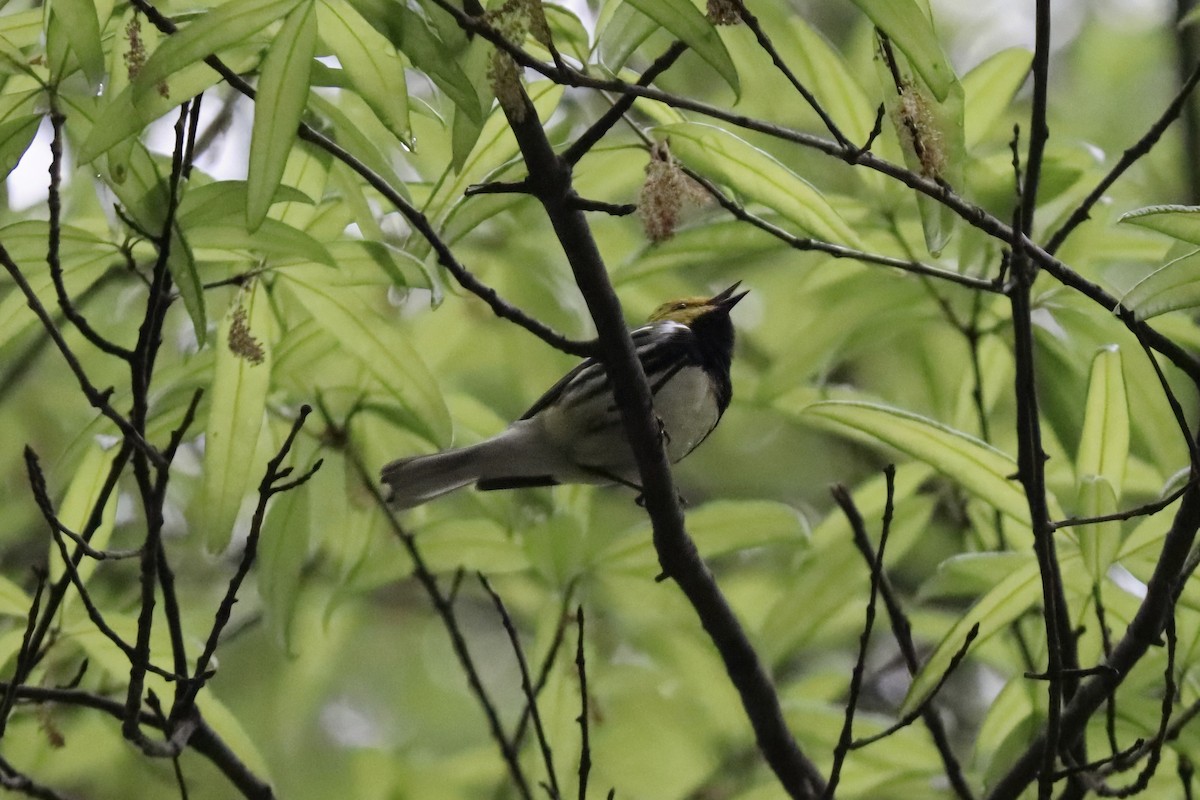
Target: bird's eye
{"x": 680, "y": 306}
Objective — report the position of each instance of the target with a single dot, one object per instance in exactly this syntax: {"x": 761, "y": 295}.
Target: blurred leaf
{"x": 976, "y": 466}
{"x": 718, "y": 154}
{"x": 282, "y": 91}
{"x": 1171, "y": 287}
{"x": 909, "y": 29}
{"x": 15, "y": 137}
{"x": 717, "y": 528}
{"x": 77, "y": 506}
{"x": 365, "y": 333}
{"x": 13, "y": 601}
{"x": 373, "y": 65}
{"x": 230, "y": 731}
{"x": 989, "y": 89}
{"x": 474, "y": 544}
{"x": 688, "y": 25}
{"x": 82, "y": 28}
{"x": 972, "y": 574}
{"x": 237, "y": 403}
{"x": 283, "y": 550}
{"x": 218, "y": 29}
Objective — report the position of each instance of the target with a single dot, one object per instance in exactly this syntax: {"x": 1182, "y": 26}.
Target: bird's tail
{"x": 417, "y": 480}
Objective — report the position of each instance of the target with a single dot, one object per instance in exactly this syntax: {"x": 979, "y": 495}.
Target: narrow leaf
{"x": 282, "y": 90}
{"x": 1104, "y": 442}
{"x": 909, "y": 29}
{"x": 283, "y": 551}
{"x": 1018, "y": 591}
{"x": 1178, "y": 222}
{"x": 274, "y": 238}
{"x": 13, "y": 600}
{"x": 241, "y": 377}
{"x": 688, "y": 25}
{"x": 1098, "y": 541}
{"x": 720, "y": 155}
{"x": 82, "y": 28}
{"x": 182, "y": 265}
{"x": 216, "y": 30}
{"x": 978, "y": 467}
{"x": 989, "y": 89}
{"x": 373, "y": 65}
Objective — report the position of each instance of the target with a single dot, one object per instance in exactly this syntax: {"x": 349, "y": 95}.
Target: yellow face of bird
{"x": 684, "y": 310}
{"x": 687, "y": 310}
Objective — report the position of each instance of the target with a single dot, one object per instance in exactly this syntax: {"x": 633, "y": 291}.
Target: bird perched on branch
{"x": 574, "y": 434}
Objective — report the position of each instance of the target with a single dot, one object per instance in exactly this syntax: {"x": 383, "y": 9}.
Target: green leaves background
{"x": 340, "y": 682}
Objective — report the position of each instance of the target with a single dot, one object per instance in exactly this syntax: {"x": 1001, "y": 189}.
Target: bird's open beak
{"x": 729, "y": 298}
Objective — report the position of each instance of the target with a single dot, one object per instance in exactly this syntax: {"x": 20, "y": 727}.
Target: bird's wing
{"x": 656, "y": 345}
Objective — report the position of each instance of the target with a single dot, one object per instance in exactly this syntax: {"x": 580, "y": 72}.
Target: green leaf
{"x": 910, "y": 30}
{"x": 1098, "y": 541}
{"x": 364, "y": 262}
{"x": 274, "y": 238}
{"x": 975, "y": 465}
{"x": 218, "y": 29}
{"x": 241, "y": 378}
{"x": 282, "y": 90}
{"x": 720, "y": 155}
{"x": 127, "y": 114}
{"x": 1016, "y": 592}
{"x": 364, "y": 333}
{"x": 1178, "y": 222}
{"x": 989, "y": 89}
{"x": 417, "y": 40}
{"x": 1104, "y": 443}
{"x": 622, "y": 34}
{"x": 1171, "y": 287}
{"x": 225, "y": 201}
{"x": 372, "y": 64}
{"x": 182, "y": 265}
{"x": 82, "y": 28}
{"x": 15, "y": 137}
{"x": 688, "y": 25}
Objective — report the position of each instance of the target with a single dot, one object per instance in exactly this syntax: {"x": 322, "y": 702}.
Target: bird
{"x": 573, "y": 433}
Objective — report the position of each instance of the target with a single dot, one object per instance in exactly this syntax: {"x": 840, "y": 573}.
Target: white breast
{"x": 687, "y": 407}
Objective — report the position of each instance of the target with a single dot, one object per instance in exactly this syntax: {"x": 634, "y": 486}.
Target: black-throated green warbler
{"x": 573, "y": 433}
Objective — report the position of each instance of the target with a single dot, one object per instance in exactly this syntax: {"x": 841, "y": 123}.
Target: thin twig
{"x": 526, "y": 686}
{"x": 585, "y": 751}
{"x": 846, "y": 502}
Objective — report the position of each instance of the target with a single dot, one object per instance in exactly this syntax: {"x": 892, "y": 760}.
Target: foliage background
{"x": 335, "y": 676}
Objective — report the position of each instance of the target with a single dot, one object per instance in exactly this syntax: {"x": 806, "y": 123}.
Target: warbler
{"x": 574, "y": 434}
